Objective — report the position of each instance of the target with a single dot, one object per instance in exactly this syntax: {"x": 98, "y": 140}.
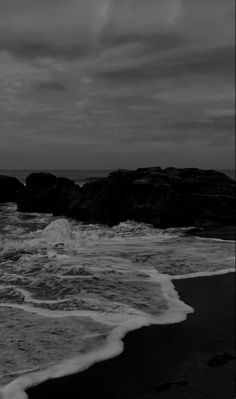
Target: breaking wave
{"x": 75, "y": 290}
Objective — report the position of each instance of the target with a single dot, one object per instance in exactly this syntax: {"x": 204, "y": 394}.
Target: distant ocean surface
{"x": 70, "y": 291}
{"x": 79, "y": 176}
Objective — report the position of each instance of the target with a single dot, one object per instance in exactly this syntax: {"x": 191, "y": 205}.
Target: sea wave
{"x": 176, "y": 312}
{"x": 88, "y": 285}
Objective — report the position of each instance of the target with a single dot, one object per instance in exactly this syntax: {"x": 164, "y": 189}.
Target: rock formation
{"x": 163, "y": 197}
{"x": 9, "y": 188}
{"x": 45, "y": 192}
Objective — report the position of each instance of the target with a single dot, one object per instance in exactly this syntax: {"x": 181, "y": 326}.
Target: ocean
{"x": 70, "y": 291}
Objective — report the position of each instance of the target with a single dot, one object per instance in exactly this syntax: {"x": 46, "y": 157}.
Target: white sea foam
{"x": 57, "y": 232}
{"x": 214, "y": 239}
{"x": 64, "y": 272}
{"x": 203, "y": 274}
{"x": 177, "y": 312}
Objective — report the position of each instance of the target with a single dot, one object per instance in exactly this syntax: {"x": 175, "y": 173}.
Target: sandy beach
{"x": 219, "y": 232}
{"x": 191, "y": 360}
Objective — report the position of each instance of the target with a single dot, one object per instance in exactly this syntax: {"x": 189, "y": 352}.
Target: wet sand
{"x": 191, "y": 360}
{"x": 220, "y": 232}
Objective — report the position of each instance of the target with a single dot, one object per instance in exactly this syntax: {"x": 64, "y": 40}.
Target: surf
{"x": 95, "y": 284}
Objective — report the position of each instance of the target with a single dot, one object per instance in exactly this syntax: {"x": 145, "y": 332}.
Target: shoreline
{"x": 167, "y": 361}
{"x": 227, "y": 233}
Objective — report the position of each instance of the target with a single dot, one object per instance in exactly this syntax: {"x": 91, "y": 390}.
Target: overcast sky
{"x": 116, "y": 83}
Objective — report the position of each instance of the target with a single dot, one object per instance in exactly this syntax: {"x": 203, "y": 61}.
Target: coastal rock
{"x": 40, "y": 181}
{"x": 45, "y": 192}
{"x": 220, "y": 360}
{"x": 163, "y": 197}
{"x": 9, "y": 188}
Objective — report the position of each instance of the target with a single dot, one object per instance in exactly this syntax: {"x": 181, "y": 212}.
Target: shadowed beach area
{"x": 191, "y": 360}
{"x": 219, "y": 232}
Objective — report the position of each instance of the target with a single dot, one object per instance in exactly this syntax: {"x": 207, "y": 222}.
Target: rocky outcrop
{"x": 9, "y": 188}
{"x": 45, "y": 192}
{"x": 163, "y": 197}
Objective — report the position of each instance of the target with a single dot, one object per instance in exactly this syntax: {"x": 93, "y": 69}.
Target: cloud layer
{"x": 109, "y": 83}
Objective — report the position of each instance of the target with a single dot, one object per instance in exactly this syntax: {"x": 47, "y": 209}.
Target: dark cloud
{"x": 73, "y": 28}
{"x": 50, "y": 85}
{"x": 24, "y": 48}
{"x": 200, "y": 127}
{"x": 223, "y": 122}
{"x": 216, "y": 61}
{"x": 35, "y": 47}
{"x": 147, "y": 42}
{"x": 139, "y": 80}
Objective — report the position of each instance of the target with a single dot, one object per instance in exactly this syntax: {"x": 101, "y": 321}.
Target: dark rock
{"x": 40, "y": 181}
{"x": 46, "y": 193}
{"x": 9, "y": 188}
{"x": 220, "y": 360}
{"x": 163, "y": 197}
{"x": 167, "y": 386}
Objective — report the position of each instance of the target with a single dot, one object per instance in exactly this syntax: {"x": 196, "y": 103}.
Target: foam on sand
{"x": 203, "y": 274}
{"x": 75, "y": 290}
{"x": 177, "y": 312}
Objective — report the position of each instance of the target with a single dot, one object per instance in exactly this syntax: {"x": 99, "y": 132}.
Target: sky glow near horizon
{"x": 116, "y": 83}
